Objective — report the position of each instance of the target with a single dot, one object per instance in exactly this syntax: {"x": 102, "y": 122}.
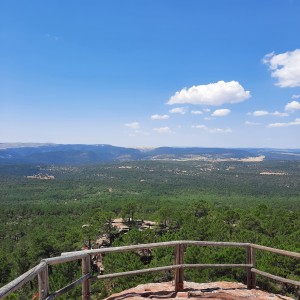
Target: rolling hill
{"x": 80, "y": 154}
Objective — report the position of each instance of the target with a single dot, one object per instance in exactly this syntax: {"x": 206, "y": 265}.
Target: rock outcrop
{"x": 212, "y": 291}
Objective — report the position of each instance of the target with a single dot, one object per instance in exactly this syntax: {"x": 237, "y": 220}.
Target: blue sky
{"x": 141, "y": 73}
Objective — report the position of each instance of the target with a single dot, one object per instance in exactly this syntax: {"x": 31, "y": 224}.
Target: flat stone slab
{"x": 220, "y": 290}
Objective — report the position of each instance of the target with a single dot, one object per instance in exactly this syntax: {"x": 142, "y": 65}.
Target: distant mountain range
{"x": 60, "y": 154}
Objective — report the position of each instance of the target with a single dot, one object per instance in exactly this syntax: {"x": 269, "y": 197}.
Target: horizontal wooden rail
{"x": 205, "y": 266}
{"x": 65, "y": 258}
{"x": 41, "y": 270}
{"x": 120, "y": 249}
{"x": 277, "y": 251}
{"x": 137, "y": 272}
{"x": 80, "y": 254}
{"x": 277, "y": 278}
{"x": 215, "y": 244}
{"x": 168, "y": 268}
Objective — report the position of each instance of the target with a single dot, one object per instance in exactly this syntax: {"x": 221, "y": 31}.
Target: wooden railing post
{"x": 179, "y": 271}
{"x": 251, "y": 276}
{"x": 43, "y": 282}
{"x": 86, "y": 267}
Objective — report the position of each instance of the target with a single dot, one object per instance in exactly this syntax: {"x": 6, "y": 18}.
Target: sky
{"x": 150, "y": 73}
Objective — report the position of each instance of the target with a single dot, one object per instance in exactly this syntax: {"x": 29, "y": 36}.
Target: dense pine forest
{"x": 47, "y": 210}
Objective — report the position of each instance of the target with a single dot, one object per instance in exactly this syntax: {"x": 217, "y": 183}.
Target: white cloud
{"x": 252, "y": 123}
{"x": 261, "y": 113}
{"x": 292, "y": 106}
{"x": 274, "y": 125}
{"x": 211, "y": 94}
{"x": 212, "y": 130}
{"x": 200, "y": 127}
{"x": 220, "y": 130}
{"x": 133, "y": 125}
{"x": 178, "y": 110}
{"x": 159, "y": 117}
{"x": 295, "y": 96}
{"x": 196, "y": 112}
{"x": 285, "y": 67}
{"x": 221, "y": 112}
{"x": 279, "y": 114}
{"x": 162, "y": 130}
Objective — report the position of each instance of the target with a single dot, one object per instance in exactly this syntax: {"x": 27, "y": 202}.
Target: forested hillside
{"x": 60, "y": 154}
{"x": 44, "y": 208}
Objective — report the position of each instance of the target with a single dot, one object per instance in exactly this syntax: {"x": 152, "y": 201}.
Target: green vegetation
{"x": 195, "y": 200}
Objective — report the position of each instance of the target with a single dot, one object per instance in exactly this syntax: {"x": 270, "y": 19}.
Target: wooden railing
{"x": 41, "y": 270}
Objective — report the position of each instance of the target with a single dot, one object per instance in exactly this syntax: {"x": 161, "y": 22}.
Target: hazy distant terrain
{"x": 60, "y": 154}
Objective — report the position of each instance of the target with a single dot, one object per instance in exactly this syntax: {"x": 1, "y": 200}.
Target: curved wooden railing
{"x": 41, "y": 270}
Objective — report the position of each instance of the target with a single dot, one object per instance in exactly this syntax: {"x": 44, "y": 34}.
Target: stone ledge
{"x": 221, "y": 290}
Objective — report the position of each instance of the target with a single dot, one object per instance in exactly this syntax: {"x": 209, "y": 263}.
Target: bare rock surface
{"x": 214, "y": 290}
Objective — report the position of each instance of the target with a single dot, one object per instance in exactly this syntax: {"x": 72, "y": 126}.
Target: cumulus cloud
{"x": 292, "y": 106}
{"x": 220, "y": 130}
{"x": 200, "y": 127}
{"x": 162, "y": 130}
{"x": 295, "y": 96}
{"x": 279, "y": 114}
{"x": 196, "y": 112}
{"x": 159, "y": 117}
{"x": 221, "y": 112}
{"x": 258, "y": 113}
{"x": 252, "y": 123}
{"x": 212, "y": 130}
{"x": 214, "y": 94}
{"x": 178, "y": 110}
{"x": 133, "y": 125}
{"x": 261, "y": 113}
{"x": 274, "y": 125}
{"x": 285, "y": 67}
